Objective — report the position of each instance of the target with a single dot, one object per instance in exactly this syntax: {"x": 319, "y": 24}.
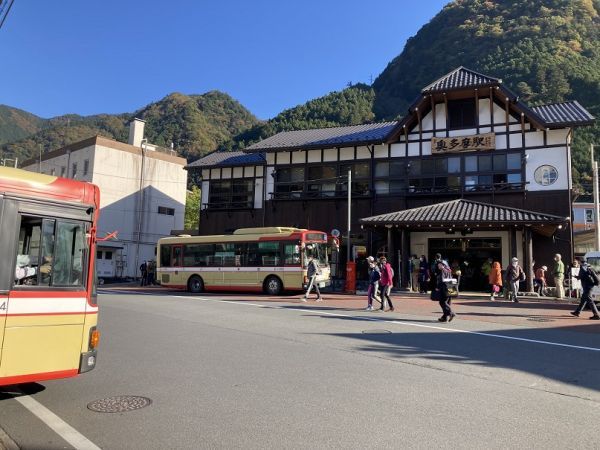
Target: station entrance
{"x": 468, "y": 254}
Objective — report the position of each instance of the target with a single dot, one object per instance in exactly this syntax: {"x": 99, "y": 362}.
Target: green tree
{"x": 192, "y": 209}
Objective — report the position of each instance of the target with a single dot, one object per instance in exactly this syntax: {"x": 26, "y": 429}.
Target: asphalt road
{"x": 264, "y": 374}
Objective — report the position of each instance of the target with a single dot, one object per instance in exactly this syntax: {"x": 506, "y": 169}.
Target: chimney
{"x": 136, "y": 132}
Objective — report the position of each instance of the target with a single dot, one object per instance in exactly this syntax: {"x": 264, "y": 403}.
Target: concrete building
{"x": 142, "y": 194}
{"x": 470, "y": 171}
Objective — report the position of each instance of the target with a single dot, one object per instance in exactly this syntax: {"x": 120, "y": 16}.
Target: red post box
{"x": 351, "y": 277}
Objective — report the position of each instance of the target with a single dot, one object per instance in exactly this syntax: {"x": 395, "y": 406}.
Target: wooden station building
{"x": 470, "y": 172}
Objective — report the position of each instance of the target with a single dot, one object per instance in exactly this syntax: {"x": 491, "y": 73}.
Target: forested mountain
{"x": 545, "y": 50}
{"x": 17, "y": 124}
{"x": 195, "y": 124}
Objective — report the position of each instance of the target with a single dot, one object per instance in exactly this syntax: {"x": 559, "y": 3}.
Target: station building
{"x": 470, "y": 172}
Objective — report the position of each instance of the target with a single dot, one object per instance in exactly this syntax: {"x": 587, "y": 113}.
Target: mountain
{"x": 545, "y": 50}
{"x": 195, "y": 124}
{"x": 351, "y": 106}
{"x": 17, "y": 124}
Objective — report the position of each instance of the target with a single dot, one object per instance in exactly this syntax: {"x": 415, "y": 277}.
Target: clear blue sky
{"x": 111, "y": 56}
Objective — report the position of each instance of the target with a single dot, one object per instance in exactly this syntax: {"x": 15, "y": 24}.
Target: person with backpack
{"x": 312, "y": 270}
{"x": 386, "y": 282}
{"x": 441, "y": 272}
{"x": 514, "y": 276}
{"x": 588, "y": 278}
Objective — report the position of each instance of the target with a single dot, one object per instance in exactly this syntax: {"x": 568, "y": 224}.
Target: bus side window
{"x": 269, "y": 253}
{"x": 291, "y": 253}
{"x": 165, "y": 255}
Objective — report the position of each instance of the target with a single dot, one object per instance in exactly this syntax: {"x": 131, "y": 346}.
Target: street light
{"x": 596, "y": 199}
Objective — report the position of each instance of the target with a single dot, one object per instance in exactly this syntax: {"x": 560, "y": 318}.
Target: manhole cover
{"x": 119, "y": 403}
{"x": 540, "y": 319}
{"x": 377, "y": 332}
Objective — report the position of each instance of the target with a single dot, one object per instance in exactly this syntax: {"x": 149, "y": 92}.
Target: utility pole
{"x": 349, "y": 212}
{"x": 596, "y": 200}
{"x": 40, "y": 166}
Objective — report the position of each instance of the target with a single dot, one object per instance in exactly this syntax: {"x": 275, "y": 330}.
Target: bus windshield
{"x": 316, "y": 250}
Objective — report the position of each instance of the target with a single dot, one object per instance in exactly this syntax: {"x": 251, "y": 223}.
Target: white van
{"x": 593, "y": 259}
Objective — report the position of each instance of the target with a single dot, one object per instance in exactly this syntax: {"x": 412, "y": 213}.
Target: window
{"x": 53, "y": 172}
{"x": 235, "y": 193}
{"x": 86, "y": 167}
{"x": 198, "y": 255}
{"x": 589, "y": 215}
{"x": 291, "y": 251}
{"x": 166, "y": 211}
{"x": 99, "y": 254}
{"x": 74, "y": 171}
{"x": 63, "y": 170}
{"x": 360, "y": 178}
{"x": 108, "y": 255}
{"x": 289, "y": 182}
{"x": 461, "y": 114}
{"x": 322, "y": 181}
{"x": 51, "y": 252}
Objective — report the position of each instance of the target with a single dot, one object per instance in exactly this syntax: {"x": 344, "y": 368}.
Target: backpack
{"x": 590, "y": 275}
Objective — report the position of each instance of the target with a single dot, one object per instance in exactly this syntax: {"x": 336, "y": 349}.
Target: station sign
{"x": 459, "y": 144}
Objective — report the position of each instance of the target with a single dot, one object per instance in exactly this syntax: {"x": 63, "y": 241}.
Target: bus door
{"x": 176, "y": 264}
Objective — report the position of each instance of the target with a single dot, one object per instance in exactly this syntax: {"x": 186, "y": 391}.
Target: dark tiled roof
{"x": 372, "y": 133}
{"x": 461, "y": 78}
{"x": 566, "y": 113}
{"x": 463, "y": 211}
{"x": 225, "y": 159}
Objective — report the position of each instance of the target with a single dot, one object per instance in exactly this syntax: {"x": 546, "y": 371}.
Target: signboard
{"x": 459, "y": 144}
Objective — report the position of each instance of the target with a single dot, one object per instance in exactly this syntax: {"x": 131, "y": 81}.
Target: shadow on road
{"x": 8, "y": 392}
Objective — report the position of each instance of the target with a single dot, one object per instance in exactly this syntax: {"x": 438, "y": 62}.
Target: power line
{"x": 5, "y": 6}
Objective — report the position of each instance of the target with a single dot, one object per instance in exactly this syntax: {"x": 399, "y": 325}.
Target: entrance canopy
{"x": 468, "y": 215}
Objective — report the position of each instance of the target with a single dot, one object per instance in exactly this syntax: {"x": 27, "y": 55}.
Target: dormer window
{"x": 461, "y": 114}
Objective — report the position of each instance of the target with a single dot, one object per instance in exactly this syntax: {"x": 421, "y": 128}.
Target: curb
{"x": 6, "y": 443}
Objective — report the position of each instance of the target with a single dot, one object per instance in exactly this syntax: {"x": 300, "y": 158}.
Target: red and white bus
{"x": 48, "y": 307}
{"x": 270, "y": 260}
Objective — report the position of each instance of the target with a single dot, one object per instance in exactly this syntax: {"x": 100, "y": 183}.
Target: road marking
{"x": 402, "y": 322}
{"x": 59, "y": 426}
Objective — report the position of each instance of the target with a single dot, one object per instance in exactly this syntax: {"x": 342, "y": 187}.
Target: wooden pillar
{"x": 513, "y": 243}
{"x": 404, "y": 255}
{"x": 390, "y": 247}
{"x": 528, "y": 259}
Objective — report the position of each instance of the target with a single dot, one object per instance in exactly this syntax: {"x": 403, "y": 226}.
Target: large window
{"x": 51, "y": 252}
{"x": 462, "y": 114}
{"x": 289, "y": 182}
{"x": 234, "y": 193}
{"x": 231, "y": 254}
{"x": 493, "y": 172}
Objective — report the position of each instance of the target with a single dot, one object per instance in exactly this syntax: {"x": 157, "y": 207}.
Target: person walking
{"x": 312, "y": 270}
{"x": 558, "y": 272}
{"x": 374, "y": 277}
{"x": 415, "y": 263}
{"x": 588, "y": 278}
{"x": 386, "y": 282}
{"x": 423, "y": 274}
{"x": 540, "y": 280}
{"x": 495, "y": 280}
{"x": 441, "y": 273}
{"x": 144, "y": 272}
{"x": 486, "y": 267}
{"x": 514, "y": 276}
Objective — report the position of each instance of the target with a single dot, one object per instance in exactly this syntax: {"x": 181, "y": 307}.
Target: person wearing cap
{"x": 588, "y": 279}
{"x": 514, "y": 275}
{"x": 540, "y": 279}
{"x": 558, "y": 272}
{"x": 440, "y": 273}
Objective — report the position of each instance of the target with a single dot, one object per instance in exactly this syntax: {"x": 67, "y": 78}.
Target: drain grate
{"x": 540, "y": 319}
{"x": 377, "y": 332}
{"x": 119, "y": 403}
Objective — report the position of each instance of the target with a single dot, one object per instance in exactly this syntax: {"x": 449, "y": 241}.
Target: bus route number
{"x": 3, "y": 306}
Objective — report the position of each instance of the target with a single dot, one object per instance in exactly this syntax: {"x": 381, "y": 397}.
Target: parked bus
{"x": 269, "y": 260}
{"x": 48, "y": 308}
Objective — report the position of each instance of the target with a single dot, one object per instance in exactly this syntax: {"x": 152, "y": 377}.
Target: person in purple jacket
{"x": 386, "y": 282}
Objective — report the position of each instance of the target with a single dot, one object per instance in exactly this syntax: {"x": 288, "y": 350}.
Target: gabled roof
{"x": 372, "y": 133}
{"x": 461, "y": 78}
{"x": 566, "y": 113}
{"x": 226, "y": 159}
{"x": 461, "y": 212}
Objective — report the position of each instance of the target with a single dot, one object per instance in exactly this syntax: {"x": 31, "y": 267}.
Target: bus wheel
{"x": 195, "y": 284}
{"x": 273, "y": 286}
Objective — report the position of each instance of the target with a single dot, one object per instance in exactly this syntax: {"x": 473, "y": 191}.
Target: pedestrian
{"x": 312, "y": 270}
{"x": 514, "y": 276}
{"x": 558, "y": 272}
{"x": 588, "y": 278}
{"x": 456, "y": 273}
{"x": 386, "y": 282}
{"x": 486, "y": 267}
{"x": 374, "y": 277}
{"x": 495, "y": 280}
{"x": 540, "y": 280}
{"x": 441, "y": 273}
{"x": 424, "y": 274}
{"x": 415, "y": 263}
{"x": 144, "y": 272}
{"x": 151, "y": 268}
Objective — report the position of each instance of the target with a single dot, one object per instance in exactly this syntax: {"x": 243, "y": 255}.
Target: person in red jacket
{"x": 386, "y": 282}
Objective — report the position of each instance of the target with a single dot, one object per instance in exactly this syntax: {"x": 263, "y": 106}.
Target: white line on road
{"x": 401, "y": 322}
{"x": 59, "y": 426}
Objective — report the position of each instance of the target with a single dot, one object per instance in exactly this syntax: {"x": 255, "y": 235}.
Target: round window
{"x": 545, "y": 175}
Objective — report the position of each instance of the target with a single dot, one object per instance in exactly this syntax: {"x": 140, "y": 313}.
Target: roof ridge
{"x": 389, "y": 122}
